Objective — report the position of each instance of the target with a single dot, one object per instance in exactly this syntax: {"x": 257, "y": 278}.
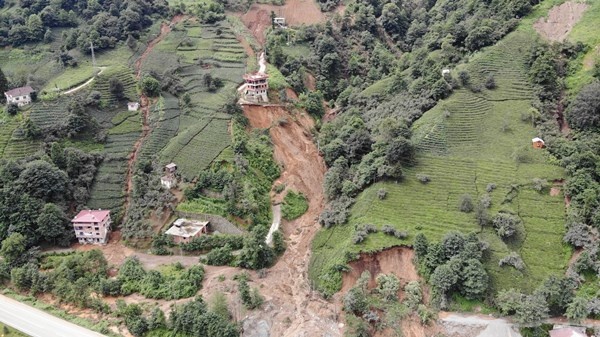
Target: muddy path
{"x": 296, "y": 310}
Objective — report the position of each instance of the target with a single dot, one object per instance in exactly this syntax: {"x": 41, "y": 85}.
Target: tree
{"x": 584, "y": 112}
{"x": 150, "y": 86}
{"x": 400, "y": 150}
{"x": 578, "y": 309}
{"x": 421, "y": 245}
{"x": 116, "y": 87}
{"x": 388, "y": 286}
{"x": 256, "y": 254}
{"x": 532, "y": 310}
{"x": 466, "y": 203}
{"x": 506, "y": 224}
{"x": 13, "y": 249}
{"x": 11, "y": 109}
{"x": 43, "y": 180}
{"x": 508, "y": 301}
{"x": 443, "y": 278}
{"x": 54, "y": 226}
{"x": 278, "y": 243}
{"x": 3, "y": 86}
{"x": 413, "y": 295}
{"x": 475, "y": 279}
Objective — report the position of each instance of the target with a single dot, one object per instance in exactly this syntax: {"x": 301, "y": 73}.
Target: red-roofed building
{"x": 19, "y": 96}
{"x": 92, "y": 226}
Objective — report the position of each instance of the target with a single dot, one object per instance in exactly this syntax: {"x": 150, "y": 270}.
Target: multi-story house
{"x": 92, "y": 226}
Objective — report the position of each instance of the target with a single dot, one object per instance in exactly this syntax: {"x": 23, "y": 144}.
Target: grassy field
{"x": 466, "y": 142}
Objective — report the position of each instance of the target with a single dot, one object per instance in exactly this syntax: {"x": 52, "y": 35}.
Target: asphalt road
{"x": 37, "y": 323}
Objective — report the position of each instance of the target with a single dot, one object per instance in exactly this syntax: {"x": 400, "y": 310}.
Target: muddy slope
{"x": 291, "y": 308}
{"x": 560, "y": 20}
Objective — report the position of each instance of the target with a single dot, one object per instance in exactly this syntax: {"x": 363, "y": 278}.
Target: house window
{"x": 98, "y": 234}
{"x": 79, "y": 227}
{"x": 97, "y": 228}
{"x": 80, "y": 233}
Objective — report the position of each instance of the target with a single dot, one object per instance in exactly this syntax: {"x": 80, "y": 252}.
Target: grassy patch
{"x": 276, "y": 79}
{"x": 294, "y": 205}
{"x": 204, "y": 205}
{"x": 7, "y": 331}
{"x": 70, "y": 78}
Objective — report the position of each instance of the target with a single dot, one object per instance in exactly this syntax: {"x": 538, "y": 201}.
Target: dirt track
{"x": 560, "y": 20}
{"x": 296, "y": 13}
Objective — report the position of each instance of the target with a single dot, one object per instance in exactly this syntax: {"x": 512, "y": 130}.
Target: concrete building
{"x": 92, "y": 226}
{"x": 255, "y": 87}
{"x": 184, "y": 230}
{"x": 168, "y": 181}
{"x": 19, "y": 96}
{"x": 133, "y": 106}
{"x": 171, "y": 168}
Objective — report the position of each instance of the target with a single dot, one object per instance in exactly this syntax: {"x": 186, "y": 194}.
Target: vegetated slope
{"x": 202, "y": 56}
{"x": 466, "y": 142}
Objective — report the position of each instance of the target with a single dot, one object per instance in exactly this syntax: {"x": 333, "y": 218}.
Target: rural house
{"x": 538, "y": 143}
{"x": 168, "y": 181}
{"x": 184, "y": 230}
{"x": 19, "y": 96}
{"x": 92, "y": 226}
{"x": 255, "y": 87}
{"x": 133, "y": 106}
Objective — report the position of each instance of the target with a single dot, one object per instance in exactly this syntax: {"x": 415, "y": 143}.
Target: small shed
{"x": 570, "y": 331}
{"x": 184, "y": 230}
{"x": 538, "y": 143}
{"x": 279, "y": 21}
{"x": 168, "y": 181}
{"x": 446, "y": 72}
{"x": 133, "y": 106}
{"x": 171, "y": 168}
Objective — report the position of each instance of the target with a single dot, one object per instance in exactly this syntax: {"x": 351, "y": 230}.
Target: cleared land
{"x": 466, "y": 142}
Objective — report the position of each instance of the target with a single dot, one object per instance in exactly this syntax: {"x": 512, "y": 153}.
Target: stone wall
{"x": 217, "y": 222}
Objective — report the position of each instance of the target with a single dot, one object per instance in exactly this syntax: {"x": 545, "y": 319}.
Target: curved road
{"x": 37, "y": 323}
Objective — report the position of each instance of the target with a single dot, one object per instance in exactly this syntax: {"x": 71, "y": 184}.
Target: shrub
{"x": 12, "y": 109}
{"x": 466, "y": 203}
{"x": 490, "y": 82}
{"x": 359, "y": 236}
{"x": 391, "y": 231}
{"x": 485, "y": 201}
{"x": 505, "y": 224}
{"x": 413, "y": 295}
{"x": 584, "y": 112}
{"x": 381, "y": 193}
{"x": 578, "y": 234}
{"x": 388, "y": 286}
{"x": 369, "y": 228}
{"x": 464, "y": 77}
{"x": 539, "y": 184}
{"x": 150, "y": 86}
{"x": 490, "y": 187}
{"x": 294, "y": 205}
{"x": 512, "y": 259}
{"x": 220, "y": 256}
{"x": 423, "y": 178}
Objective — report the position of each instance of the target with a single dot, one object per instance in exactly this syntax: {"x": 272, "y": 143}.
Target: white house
{"x": 92, "y": 226}
{"x": 168, "y": 181}
{"x": 19, "y": 96}
{"x": 133, "y": 106}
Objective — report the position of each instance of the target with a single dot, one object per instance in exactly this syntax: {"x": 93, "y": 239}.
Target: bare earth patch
{"x": 296, "y": 13}
{"x": 560, "y": 20}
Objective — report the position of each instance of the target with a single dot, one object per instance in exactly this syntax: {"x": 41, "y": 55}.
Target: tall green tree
{"x": 3, "y": 86}
{"x": 54, "y": 226}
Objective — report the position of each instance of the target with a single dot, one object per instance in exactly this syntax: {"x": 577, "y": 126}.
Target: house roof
{"x": 186, "y": 228}
{"x": 537, "y": 139}
{"x": 568, "y": 332}
{"x": 22, "y": 91}
{"x": 89, "y": 215}
{"x": 256, "y": 76}
{"x": 172, "y": 165}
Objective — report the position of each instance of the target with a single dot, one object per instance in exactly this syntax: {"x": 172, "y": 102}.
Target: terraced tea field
{"x": 466, "y": 142}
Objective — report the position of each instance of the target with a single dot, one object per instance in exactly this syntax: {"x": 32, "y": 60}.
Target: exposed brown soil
{"x": 296, "y": 13}
{"x": 291, "y": 308}
{"x": 560, "y": 20}
{"x": 395, "y": 260}
{"x": 554, "y": 191}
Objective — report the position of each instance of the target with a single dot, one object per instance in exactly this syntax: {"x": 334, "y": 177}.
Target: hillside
{"x": 466, "y": 143}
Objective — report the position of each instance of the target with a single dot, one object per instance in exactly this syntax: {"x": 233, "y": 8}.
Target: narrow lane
{"x": 37, "y": 323}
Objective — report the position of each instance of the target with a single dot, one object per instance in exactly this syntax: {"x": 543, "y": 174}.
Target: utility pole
{"x": 93, "y": 55}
